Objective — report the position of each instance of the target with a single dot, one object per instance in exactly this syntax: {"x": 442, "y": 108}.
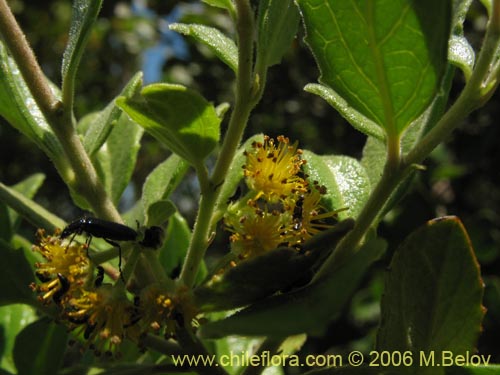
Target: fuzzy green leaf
{"x": 462, "y": 55}
{"x": 374, "y": 152}
{"x": 162, "y": 181}
{"x": 44, "y": 343}
{"x": 385, "y": 58}
{"x": 345, "y": 179}
{"x": 460, "y": 8}
{"x": 277, "y": 24}
{"x": 159, "y": 212}
{"x": 180, "y": 118}
{"x": 433, "y": 293}
{"x": 305, "y": 310}
{"x": 29, "y": 209}
{"x": 115, "y": 162}
{"x": 235, "y": 344}
{"x": 96, "y": 129}
{"x": 222, "y": 46}
{"x": 83, "y": 17}
{"x": 18, "y": 107}
{"x": 223, "y": 4}
{"x": 259, "y": 277}
{"x": 460, "y": 52}
{"x": 174, "y": 250}
{"x": 9, "y": 218}
{"x": 356, "y": 119}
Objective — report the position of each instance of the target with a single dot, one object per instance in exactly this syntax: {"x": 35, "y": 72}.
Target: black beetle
{"x": 111, "y": 232}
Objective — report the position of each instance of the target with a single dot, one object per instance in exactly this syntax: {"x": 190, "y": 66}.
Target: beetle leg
{"x": 71, "y": 240}
{"x": 116, "y": 244}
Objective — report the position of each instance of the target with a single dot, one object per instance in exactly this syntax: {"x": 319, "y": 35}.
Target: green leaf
{"x": 174, "y": 250}
{"x": 459, "y": 14}
{"x": 256, "y": 278}
{"x": 162, "y": 181}
{"x": 44, "y": 343}
{"x": 98, "y": 126}
{"x": 27, "y": 187}
{"x": 277, "y": 24}
{"x": 9, "y": 219}
{"x": 235, "y": 344}
{"x": 177, "y": 238}
{"x": 433, "y": 293}
{"x": 460, "y": 52}
{"x": 356, "y": 119}
{"x": 13, "y": 318}
{"x": 306, "y": 310}
{"x": 82, "y": 19}
{"x": 345, "y": 179}
{"x": 222, "y": 46}
{"x": 115, "y": 162}
{"x": 385, "y": 58}
{"x": 29, "y": 209}
{"x": 179, "y": 118}
{"x": 462, "y": 55}
{"x": 159, "y": 212}
{"x": 374, "y": 152}
{"x": 15, "y": 277}
{"x": 221, "y": 110}
{"x": 224, "y": 4}
{"x": 18, "y": 107}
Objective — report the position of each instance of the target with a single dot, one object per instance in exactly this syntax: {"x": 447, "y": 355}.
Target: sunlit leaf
{"x": 180, "y": 118}
{"x": 386, "y": 59}
{"x": 222, "y": 46}
{"x": 98, "y": 126}
{"x": 83, "y": 17}
{"x": 29, "y": 209}
{"x": 115, "y": 161}
{"x": 162, "y": 181}
{"x": 356, "y": 119}
{"x": 345, "y": 179}
{"x": 19, "y": 108}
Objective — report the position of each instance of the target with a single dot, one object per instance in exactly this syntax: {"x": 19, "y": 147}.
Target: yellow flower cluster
{"x": 282, "y": 208}
{"x": 65, "y": 270}
{"x": 101, "y": 313}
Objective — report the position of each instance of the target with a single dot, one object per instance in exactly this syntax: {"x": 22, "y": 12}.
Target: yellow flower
{"x": 157, "y": 308}
{"x": 104, "y": 317}
{"x": 164, "y": 312}
{"x": 273, "y": 170}
{"x": 256, "y": 231}
{"x": 65, "y": 269}
{"x": 309, "y": 217}
{"x": 282, "y": 207}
